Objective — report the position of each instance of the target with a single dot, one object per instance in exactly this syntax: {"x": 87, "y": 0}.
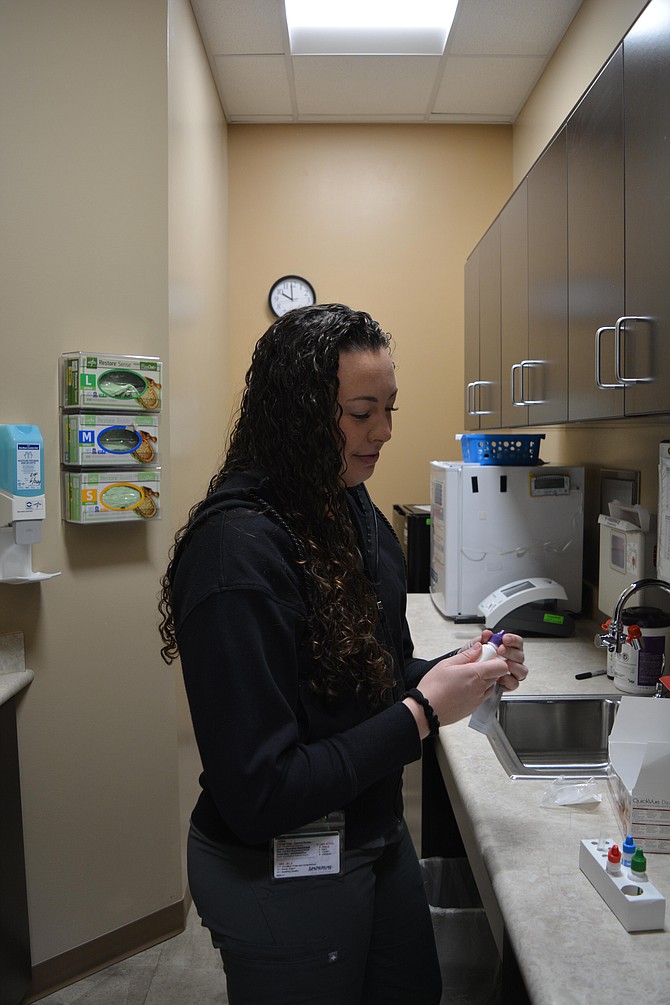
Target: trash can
{"x": 411, "y": 522}
{"x": 469, "y": 960}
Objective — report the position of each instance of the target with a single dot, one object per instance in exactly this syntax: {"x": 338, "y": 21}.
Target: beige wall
{"x": 381, "y": 218}
{"x": 83, "y": 93}
{"x": 596, "y": 31}
{"x": 198, "y": 240}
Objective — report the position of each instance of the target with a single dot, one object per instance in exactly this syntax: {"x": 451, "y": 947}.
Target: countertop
{"x": 571, "y": 949}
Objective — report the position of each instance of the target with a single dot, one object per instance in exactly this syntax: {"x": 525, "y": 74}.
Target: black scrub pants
{"x": 363, "y": 938}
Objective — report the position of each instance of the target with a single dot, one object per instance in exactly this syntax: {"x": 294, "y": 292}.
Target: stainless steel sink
{"x": 547, "y": 736}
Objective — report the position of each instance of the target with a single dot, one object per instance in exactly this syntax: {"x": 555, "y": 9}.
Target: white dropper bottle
{"x": 490, "y": 648}
{"x": 483, "y": 717}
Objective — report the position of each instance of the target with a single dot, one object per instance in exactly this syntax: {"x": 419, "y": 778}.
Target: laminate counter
{"x": 13, "y": 674}
{"x": 15, "y": 969}
{"x": 571, "y": 949}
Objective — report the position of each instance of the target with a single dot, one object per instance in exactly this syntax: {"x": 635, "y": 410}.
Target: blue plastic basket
{"x": 501, "y": 448}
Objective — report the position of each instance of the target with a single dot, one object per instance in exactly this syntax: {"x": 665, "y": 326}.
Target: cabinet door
{"x": 548, "y": 285}
{"x": 646, "y": 344}
{"x": 596, "y": 244}
{"x": 489, "y": 327}
{"x": 471, "y": 332}
{"x": 514, "y": 309}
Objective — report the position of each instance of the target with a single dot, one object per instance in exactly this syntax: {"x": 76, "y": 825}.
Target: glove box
{"x": 110, "y": 383}
{"x": 111, "y": 496}
{"x": 101, "y": 440}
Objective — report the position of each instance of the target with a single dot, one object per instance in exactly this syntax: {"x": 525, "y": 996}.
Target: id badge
{"x": 317, "y": 849}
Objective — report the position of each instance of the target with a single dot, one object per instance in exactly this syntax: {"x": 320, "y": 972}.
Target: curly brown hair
{"x": 288, "y": 429}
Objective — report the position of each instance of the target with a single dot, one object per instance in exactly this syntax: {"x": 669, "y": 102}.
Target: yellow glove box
{"x": 111, "y": 496}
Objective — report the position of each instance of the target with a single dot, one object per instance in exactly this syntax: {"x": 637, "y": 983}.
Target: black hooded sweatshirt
{"x": 275, "y": 754}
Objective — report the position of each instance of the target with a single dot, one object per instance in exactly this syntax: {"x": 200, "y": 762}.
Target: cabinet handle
{"x": 618, "y": 353}
{"x": 470, "y": 397}
{"x": 599, "y": 381}
{"x": 517, "y": 404}
{"x": 521, "y": 367}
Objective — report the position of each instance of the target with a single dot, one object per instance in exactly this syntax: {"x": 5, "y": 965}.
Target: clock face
{"x": 290, "y": 292}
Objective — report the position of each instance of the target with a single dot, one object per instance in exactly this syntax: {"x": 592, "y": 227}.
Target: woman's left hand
{"x": 511, "y": 650}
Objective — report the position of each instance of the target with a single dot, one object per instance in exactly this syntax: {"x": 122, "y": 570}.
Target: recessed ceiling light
{"x": 366, "y": 27}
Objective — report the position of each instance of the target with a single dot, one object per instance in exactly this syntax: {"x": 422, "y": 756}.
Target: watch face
{"x": 290, "y": 292}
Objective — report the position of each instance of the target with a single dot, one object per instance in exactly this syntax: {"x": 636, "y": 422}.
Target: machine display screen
{"x": 509, "y": 591}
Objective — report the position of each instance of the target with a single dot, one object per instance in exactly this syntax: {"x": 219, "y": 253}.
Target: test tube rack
{"x": 638, "y": 905}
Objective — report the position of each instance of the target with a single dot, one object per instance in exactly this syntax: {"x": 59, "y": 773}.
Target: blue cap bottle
{"x": 627, "y": 851}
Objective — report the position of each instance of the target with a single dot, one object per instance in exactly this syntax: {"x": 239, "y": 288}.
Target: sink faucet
{"x": 616, "y": 633}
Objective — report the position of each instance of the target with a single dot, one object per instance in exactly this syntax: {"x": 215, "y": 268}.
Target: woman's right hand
{"x": 456, "y": 686}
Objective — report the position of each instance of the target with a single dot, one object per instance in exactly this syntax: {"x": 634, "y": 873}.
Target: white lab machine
{"x": 494, "y": 525}
{"x": 535, "y": 605}
{"x": 627, "y": 544}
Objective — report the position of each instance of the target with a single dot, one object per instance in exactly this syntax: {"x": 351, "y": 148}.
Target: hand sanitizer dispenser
{"x": 22, "y": 503}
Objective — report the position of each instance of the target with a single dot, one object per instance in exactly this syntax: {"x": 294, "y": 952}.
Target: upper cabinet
{"x": 548, "y": 285}
{"x": 482, "y": 343}
{"x": 489, "y": 327}
{"x": 471, "y": 350}
{"x": 644, "y": 349}
{"x": 596, "y": 244}
{"x": 584, "y": 301}
{"x": 515, "y": 370}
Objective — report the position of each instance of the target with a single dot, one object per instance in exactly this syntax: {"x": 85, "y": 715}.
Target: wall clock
{"x": 290, "y": 292}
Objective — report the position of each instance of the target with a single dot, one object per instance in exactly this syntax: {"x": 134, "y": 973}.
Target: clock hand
{"x": 289, "y": 296}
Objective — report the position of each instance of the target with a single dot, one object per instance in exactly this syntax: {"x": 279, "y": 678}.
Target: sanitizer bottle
{"x": 22, "y": 502}
{"x": 21, "y": 461}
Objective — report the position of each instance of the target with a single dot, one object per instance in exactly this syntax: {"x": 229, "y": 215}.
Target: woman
{"x": 285, "y": 598}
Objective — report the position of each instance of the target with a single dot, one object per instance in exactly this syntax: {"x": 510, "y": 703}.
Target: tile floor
{"x": 181, "y": 971}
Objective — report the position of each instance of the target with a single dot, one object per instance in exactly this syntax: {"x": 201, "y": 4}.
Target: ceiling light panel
{"x": 369, "y": 27}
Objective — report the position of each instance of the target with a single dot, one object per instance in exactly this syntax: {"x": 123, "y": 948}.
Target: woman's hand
{"x": 456, "y": 686}
{"x": 511, "y": 650}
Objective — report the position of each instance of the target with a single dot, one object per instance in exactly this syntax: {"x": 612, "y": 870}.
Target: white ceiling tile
{"x": 497, "y": 86}
{"x": 258, "y": 80}
{"x": 242, "y": 26}
{"x": 510, "y": 27}
{"x": 254, "y": 85}
{"x": 364, "y": 85}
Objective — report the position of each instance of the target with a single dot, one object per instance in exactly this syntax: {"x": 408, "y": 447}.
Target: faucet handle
{"x": 608, "y": 639}
{"x": 634, "y": 636}
{"x": 614, "y": 635}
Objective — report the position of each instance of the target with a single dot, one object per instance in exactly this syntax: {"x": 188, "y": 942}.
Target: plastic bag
{"x": 469, "y": 962}
{"x": 572, "y": 792}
